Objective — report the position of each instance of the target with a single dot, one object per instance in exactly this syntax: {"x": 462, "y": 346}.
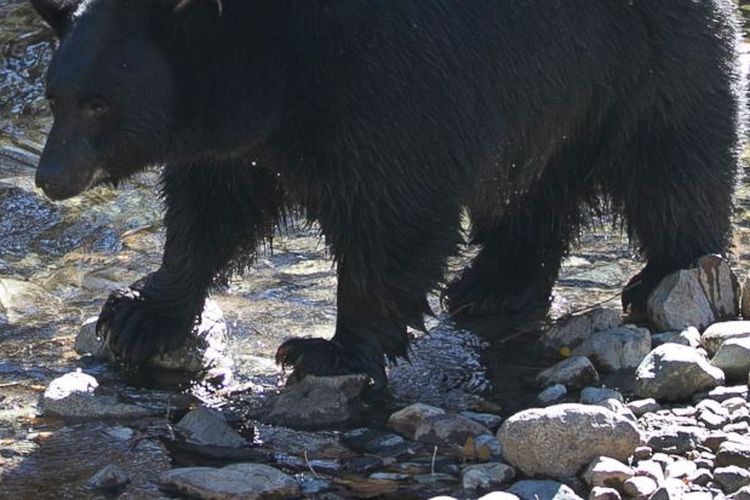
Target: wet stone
{"x": 732, "y": 478}
{"x": 673, "y": 372}
{"x": 553, "y": 394}
{"x": 448, "y": 430}
{"x": 489, "y": 420}
{"x": 605, "y": 471}
{"x": 559, "y": 440}
{"x": 679, "y": 302}
{"x": 639, "y": 487}
{"x": 529, "y": 489}
{"x": 74, "y": 396}
{"x": 574, "y": 373}
{"x": 111, "y": 477}
{"x": 486, "y": 476}
{"x": 318, "y": 402}
{"x": 616, "y": 349}
{"x": 604, "y": 493}
{"x": 594, "y": 395}
{"x": 244, "y": 480}
{"x": 205, "y": 427}
{"x": 640, "y": 407}
{"x": 569, "y": 332}
{"x": 406, "y": 420}
{"x": 733, "y": 357}
{"x": 205, "y": 350}
{"x": 313, "y": 486}
{"x": 364, "y": 440}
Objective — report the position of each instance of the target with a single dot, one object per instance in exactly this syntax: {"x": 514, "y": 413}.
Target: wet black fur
{"x": 384, "y": 120}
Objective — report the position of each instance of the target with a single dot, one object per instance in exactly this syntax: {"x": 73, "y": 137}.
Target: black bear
{"x": 383, "y": 121}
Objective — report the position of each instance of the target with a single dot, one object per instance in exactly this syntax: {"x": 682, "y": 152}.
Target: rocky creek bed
{"x": 588, "y": 406}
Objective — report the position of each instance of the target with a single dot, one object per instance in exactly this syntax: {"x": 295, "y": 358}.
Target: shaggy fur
{"x": 383, "y": 121}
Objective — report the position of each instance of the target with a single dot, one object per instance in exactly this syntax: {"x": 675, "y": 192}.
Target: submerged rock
{"x": 205, "y": 427}
{"x": 111, "y": 477}
{"x": 559, "y": 440}
{"x": 74, "y": 396}
{"x": 674, "y": 372}
{"x": 205, "y": 350}
{"x": 317, "y": 402}
{"x": 244, "y": 480}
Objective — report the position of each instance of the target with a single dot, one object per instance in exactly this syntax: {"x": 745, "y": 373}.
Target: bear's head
{"x": 128, "y": 90}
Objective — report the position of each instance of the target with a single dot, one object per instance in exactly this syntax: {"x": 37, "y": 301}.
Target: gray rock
{"x": 720, "y": 285}
{"x": 678, "y": 302}
{"x": 673, "y": 439}
{"x": 316, "y": 402}
{"x": 604, "y": 493}
{"x": 74, "y": 396}
{"x": 559, "y": 440}
{"x": 406, "y": 420}
{"x": 529, "y": 489}
{"x": 605, "y": 471}
{"x": 642, "y": 453}
{"x": 593, "y": 395}
{"x": 375, "y": 442}
{"x": 690, "y": 337}
{"x": 731, "y": 478}
{"x": 245, "y": 480}
{"x": 574, "y": 372}
{"x": 745, "y": 303}
{"x": 721, "y": 394}
{"x": 489, "y": 420}
{"x": 741, "y": 494}
{"x": 640, "y": 407}
{"x": 639, "y": 487}
{"x": 733, "y": 453}
{"x": 486, "y": 476}
{"x": 718, "y": 333}
{"x": 111, "y": 477}
{"x": 616, "y": 406}
{"x": 616, "y": 349}
{"x": 448, "y": 430}
{"x": 552, "y": 395}
{"x": 570, "y": 331}
{"x": 650, "y": 468}
{"x": 205, "y": 350}
{"x": 487, "y": 445}
{"x": 206, "y": 427}
{"x": 701, "y": 477}
{"x": 733, "y": 357}
{"x": 673, "y": 372}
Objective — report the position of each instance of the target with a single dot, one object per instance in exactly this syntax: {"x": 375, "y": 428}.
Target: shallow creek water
{"x": 58, "y": 262}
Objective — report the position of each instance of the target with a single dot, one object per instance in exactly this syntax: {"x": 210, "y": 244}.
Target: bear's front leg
{"x": 215, "y": 215}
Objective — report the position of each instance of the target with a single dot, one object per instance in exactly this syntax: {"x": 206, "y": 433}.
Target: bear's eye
{"x": 96, "y": 108}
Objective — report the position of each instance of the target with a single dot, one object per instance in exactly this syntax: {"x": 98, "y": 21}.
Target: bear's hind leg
{"x": 521, "y": 252}
{"x": 214, "y": 216}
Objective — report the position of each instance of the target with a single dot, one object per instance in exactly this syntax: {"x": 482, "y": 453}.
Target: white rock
{"x": 680, "y": 469}
{"x": 572, "y": 330}
{"x": 604, "y": 493}
{"x": 673, "y": 372}
{"x": 574, "y": 372}
{"x": 593, "y": 395}
{"x": 733, "y": 357}
{"x": 406, "y": 420}
{"x": 678, "y": 302}
{"x": 718, "y": 333}
{"x": 605, "y": 471}
{"x": 495, "y": 495}
{"x": 244, "y": 480}
{"x": 639, "y": 487}
{"x": 559, "y": 440}
{"x": 642, "y": 406}
{"x": 20, "y": 299}
{"x": 616, "y": 349}
{"x": 447, "y": 430}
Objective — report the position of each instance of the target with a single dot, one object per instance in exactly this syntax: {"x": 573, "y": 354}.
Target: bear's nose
{"x": 53, "y": 184}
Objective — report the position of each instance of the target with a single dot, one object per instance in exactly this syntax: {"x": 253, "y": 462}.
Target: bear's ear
{"x": 57, "y": 14}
